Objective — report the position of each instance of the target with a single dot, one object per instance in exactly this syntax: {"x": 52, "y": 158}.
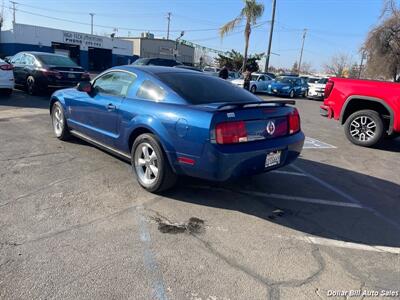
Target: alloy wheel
{"x": 146, "y": 164}
{"x": 58, "y": 120}
{"x": 363, "y": 128}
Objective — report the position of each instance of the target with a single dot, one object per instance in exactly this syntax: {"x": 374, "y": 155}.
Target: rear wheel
{"x": 253, "y": 89}
{"x": 60, "y": 127}
{"x": 151, "y": 165}
{"x": 364, "y": 128}
{"x": 31, "y": 86}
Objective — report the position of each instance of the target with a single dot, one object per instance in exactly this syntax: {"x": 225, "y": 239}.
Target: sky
{"x": 333, "y": 26}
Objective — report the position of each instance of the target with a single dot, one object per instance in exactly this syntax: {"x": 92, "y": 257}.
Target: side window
{"x": 151, "y": 91}
{"x": 16, "y": 59}
{"x": 114, "y": 83}
{"x": 22, "y": 60}
{"x": 29, "y": 60}
{"x": 262, "y": 78}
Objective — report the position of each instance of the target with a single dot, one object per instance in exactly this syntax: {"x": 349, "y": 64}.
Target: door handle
{"x": 111, "y": 107}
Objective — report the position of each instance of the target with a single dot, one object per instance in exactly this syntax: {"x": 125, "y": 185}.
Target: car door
{"x": 102, "y": 113}
{"x": 298, "y": 86}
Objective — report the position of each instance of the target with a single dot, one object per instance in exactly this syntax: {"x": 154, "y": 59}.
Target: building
{"x": 94, "y": 53}
{"x": 147, "y": 46}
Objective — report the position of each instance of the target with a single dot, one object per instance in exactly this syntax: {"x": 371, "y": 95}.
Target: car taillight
{"x": 6, "y": 67}
{"x": 328, "y": 88}
{"x": 294, "y": 121}
{"x": 51, "y": 73}
{"x": 85, "y": 75}
{"x": 231, "y": 132}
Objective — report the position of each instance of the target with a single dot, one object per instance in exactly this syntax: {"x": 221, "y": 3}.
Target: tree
{"x": 354, "y": 71}
{"x": 249, "y": 13}
{"x": 306, "y": 68}
{"x": 234, "y": 60}
{"x": 382, "y": 46}
{"x": 295, "y": 67}
{"x": 338, "y": 65}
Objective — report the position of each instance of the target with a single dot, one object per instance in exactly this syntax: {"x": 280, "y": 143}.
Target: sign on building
{"x": 82, "y": 39}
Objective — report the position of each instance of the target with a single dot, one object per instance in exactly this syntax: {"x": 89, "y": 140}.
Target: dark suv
{"x": 40, "y": 71}
{"x": 156, "y": 62}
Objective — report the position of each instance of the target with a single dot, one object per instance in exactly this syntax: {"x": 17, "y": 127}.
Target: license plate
{"x": 273, "y": 158}
{"x": 320, "y": 94}
{"x": 71, "y": 75}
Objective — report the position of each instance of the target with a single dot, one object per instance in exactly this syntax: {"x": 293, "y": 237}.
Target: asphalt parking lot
{"x": 74, "y": 224}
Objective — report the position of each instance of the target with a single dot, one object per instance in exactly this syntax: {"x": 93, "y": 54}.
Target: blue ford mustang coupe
{"x": 169, "y": 122}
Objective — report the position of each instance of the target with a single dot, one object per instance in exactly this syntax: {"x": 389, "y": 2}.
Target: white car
{"x": 6, "y": 77}
{"x": 316, "y": 90}
{"x": 259, "y": 82}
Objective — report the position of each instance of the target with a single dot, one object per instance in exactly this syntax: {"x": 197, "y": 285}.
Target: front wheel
{"x": 151, "y": 165}
{"x": 364, "y": 128}
{"x": 291, "y": 94}
{"x": 31, "y": 86}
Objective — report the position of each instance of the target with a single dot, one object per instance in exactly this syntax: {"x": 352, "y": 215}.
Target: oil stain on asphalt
{"x": 192, "y": 226}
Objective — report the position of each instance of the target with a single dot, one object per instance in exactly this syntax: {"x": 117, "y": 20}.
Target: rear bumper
{"x": 326, "y": 111}
{"x": 223, "y": 162}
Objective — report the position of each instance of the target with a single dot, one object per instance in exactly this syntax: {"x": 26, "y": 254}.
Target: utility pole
{"x": 271, "y": 32}
{"x": 302, "y": 48}
{"x": 169, "y": 21}
{"x": 91, "y": 17}
{"x": 14, "y": 9}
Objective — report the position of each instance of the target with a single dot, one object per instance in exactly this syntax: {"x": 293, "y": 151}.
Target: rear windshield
{"x": 202, "y": 89}
{"x": 285, "y": 79}
{"x": 323, "y": 80}
{"x": 57, "y": 60}
{"x": 313, "y": 80}
{"x": 140, "y": 62}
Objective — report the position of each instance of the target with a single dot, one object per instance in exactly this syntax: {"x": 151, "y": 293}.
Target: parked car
{"x": 213, "y": 71}
{"x": 169, "y": 122}
{"x": 165, "y": 62}
{"x": 188, "y": 68}
{"x": 40, "y": 71}
{"x": 272, "y": 75}
{"x": 258, "y": 84}
{"x": 368, "y": 109}
{"x": 288, "y": 86}
{"x": 316, "y": 90}
{"x": 6, "y": 78}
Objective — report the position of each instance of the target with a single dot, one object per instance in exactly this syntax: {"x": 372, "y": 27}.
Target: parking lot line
{"x": 302, "y": 199}
{"x": 347, "y": 196}
{"x": 281, "y": 196}
{"x": 311, "y": 143}
{"x": 288, "y": 173}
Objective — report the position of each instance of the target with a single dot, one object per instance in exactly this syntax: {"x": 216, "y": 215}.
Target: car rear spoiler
{"x": 227, "y": 106}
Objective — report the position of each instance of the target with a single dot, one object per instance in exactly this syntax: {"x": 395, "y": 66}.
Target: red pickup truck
{"x": 369, "y": 110}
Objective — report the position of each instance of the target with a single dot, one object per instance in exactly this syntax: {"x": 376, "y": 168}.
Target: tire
{"x": 31, "y": 86}
{"x": 151, "y": 166}
{"x": 59, "y": 122}
{"x": 291, "y": 94}
{"x": 364, "y": 128}
{"x": 253, "y": 89}
{"x": 305, "y": 95}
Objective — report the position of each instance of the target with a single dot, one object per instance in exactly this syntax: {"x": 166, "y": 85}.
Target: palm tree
{"x": 250, "y": 13}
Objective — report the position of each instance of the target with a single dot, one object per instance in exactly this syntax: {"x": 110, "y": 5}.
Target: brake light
{"x": 294, "y": 121}
{"x": 85, "y": 75}
{"x": 51, "y": 73}
{"x": 328, "y": 88}
{"x": 231, "y": 132}
{"x": 6, "y": 67}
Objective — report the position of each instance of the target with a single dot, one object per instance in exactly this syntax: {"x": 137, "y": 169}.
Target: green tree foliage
{"x": 234, "y": 61}
{"x": 249, "y": 14}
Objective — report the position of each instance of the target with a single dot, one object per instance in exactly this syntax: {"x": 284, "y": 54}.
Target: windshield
{"x": 285, "y": 80}
{"x": 202, "y": 89}
{"x": 57, "y": 60}
{"x": 323, "y": 80}
{"x": 313, "y": 80}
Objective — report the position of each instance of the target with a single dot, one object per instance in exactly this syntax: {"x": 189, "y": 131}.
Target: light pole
{"x": 91, "y": 17}
{"x": 271, "y": 32}
{"x": 302, "y": 48}
{"x": 176, "y": 44}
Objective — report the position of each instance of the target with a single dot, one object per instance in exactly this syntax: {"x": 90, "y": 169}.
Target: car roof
{"x": 41, "y": 53}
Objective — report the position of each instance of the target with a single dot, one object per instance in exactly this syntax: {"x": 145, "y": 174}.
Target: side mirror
{"x": 85, "y": 86}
